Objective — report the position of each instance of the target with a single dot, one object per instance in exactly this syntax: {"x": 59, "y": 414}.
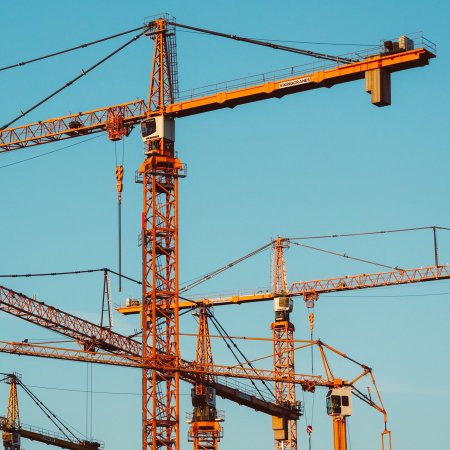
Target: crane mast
{"x": 205, "y": 431}
{"x": 160, "y": 172}
{"x": 285, "y": 431}
{"x": 13, "y": 430}
{"x": 11, "y": 422}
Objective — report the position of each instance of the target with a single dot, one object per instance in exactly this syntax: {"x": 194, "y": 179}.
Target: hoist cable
{"x": 236, "y": 357}
{"x": 49, "y": 153}
{"x": 344, "y": 255}
{"x": 336, "y": 59}
{"x": 212, "y": 274}
{"x": 119, "y": 243}
{"x": 83, "y": 73}
{"x": 217, "y": 326}
{"x": 50, "y": 414}
{"x": 40, "y": 58}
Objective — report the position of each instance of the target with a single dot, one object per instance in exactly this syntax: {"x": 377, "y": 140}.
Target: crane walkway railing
{"x": 420, "y": 41}
{"x": 48, "y": 435}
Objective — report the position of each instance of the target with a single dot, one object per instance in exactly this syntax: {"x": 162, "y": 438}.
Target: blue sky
{"x": 321, "y": 162}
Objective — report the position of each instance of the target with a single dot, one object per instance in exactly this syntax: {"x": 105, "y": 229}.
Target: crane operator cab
{"x": 282, "y": 306}
{"x": 204, "y": 403}
{"x": 339, "y": 401}
{"x": 156, "y": 128}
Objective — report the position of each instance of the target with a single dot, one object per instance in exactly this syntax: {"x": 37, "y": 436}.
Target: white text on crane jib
{"x": 295, "y": 82}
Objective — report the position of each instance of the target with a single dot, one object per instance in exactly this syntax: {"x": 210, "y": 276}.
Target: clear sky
{"x": 321, "y": 162}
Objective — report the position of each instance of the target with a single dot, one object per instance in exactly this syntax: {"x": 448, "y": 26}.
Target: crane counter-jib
{"x": 84, "y": 123}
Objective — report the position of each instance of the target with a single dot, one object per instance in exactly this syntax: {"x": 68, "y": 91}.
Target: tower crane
{"x": 159, "y": 174}
{"x": 11, "y": 422}
{"x": 102, "y": 345}
{"x": 205, "y": 430}
{"x": 13, "y": 430}
{"x": 285, "y": 431}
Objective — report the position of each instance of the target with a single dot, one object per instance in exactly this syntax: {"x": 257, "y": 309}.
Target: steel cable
{"x": 83, "y": 73}
{"x": 40, "y": 58}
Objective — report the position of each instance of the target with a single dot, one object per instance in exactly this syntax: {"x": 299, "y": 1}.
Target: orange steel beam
{"x": 45, "y": 351}
{"x": 225, "y": 389}
{"x": 69, "y": 126}
{"x": 314, "y": 80}
{"x": 339, "y": 433}
{"x": 94, "y": 338}
{"x": 89, "y": 335}
{"x": 47, "y": 437}
{"x": 380, "y": 279}
{"x": 324, "y": 286}
{"x": 205, "y": 430}
{"x": 94, "y": 121}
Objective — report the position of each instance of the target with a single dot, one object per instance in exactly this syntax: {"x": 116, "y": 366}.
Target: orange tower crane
{"x": 205, "y": 430}
{"x": 13, "y": 430}
{"x": 11, "y": 423}
{"x": 101, "y": 345}
{"x": 159, "y": 174}
{"x": 285, "y": 431}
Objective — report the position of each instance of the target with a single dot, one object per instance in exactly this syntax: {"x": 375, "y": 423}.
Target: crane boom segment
{"x": 80, "y": 124}
{"x": 225, "y": 388}
{"x": 380, "y": 279}
{"x": 89, "y": 335}
{"x": 118, "y": 349}
{"x": 301, "y": 82}
{"x": 69, "y": 126}
{"x": 324, "y": 286}
{"x": 48, "y": 437}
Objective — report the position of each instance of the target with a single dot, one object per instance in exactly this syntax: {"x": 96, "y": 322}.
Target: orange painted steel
{"x": 326, "y": 286}
{"x": 160, "y": 172}
{"x": 13, "y": 430}
{"x": 48, "y": 437}
{"x": 339, "y": 433}
{"x": 284, "y": 388}
{"x": 87, "y": 334}
{"x": 11, "y": 422}
{"x": 372, "y": 280}
{"x": 311, "y": 289}
{"x": 68, "y": 354}
{"x": 160, "y": 328}
{"x": 305, "y": 82}
{"x": 70, "y": 126}
{"x": 283, "y": 352}
{"x": 94, "y": 121}
{"x": 101, "y": 345}
{"x": 205, "y": 430}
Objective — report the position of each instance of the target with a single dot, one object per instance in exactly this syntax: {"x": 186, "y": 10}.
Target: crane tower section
{"x": 285, "y": 431}
{"x": 159, "y": 174}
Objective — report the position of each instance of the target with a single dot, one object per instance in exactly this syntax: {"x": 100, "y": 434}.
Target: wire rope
{"x": 199, "y": 280}
{"x": 219, "y": 327}
{"x": 61, "y": 52}
{"x": 69, "y": 83}
{"x": 344, "y": 255}
{"x": 326, "y": 236}
{"x": 49, "y": 153}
